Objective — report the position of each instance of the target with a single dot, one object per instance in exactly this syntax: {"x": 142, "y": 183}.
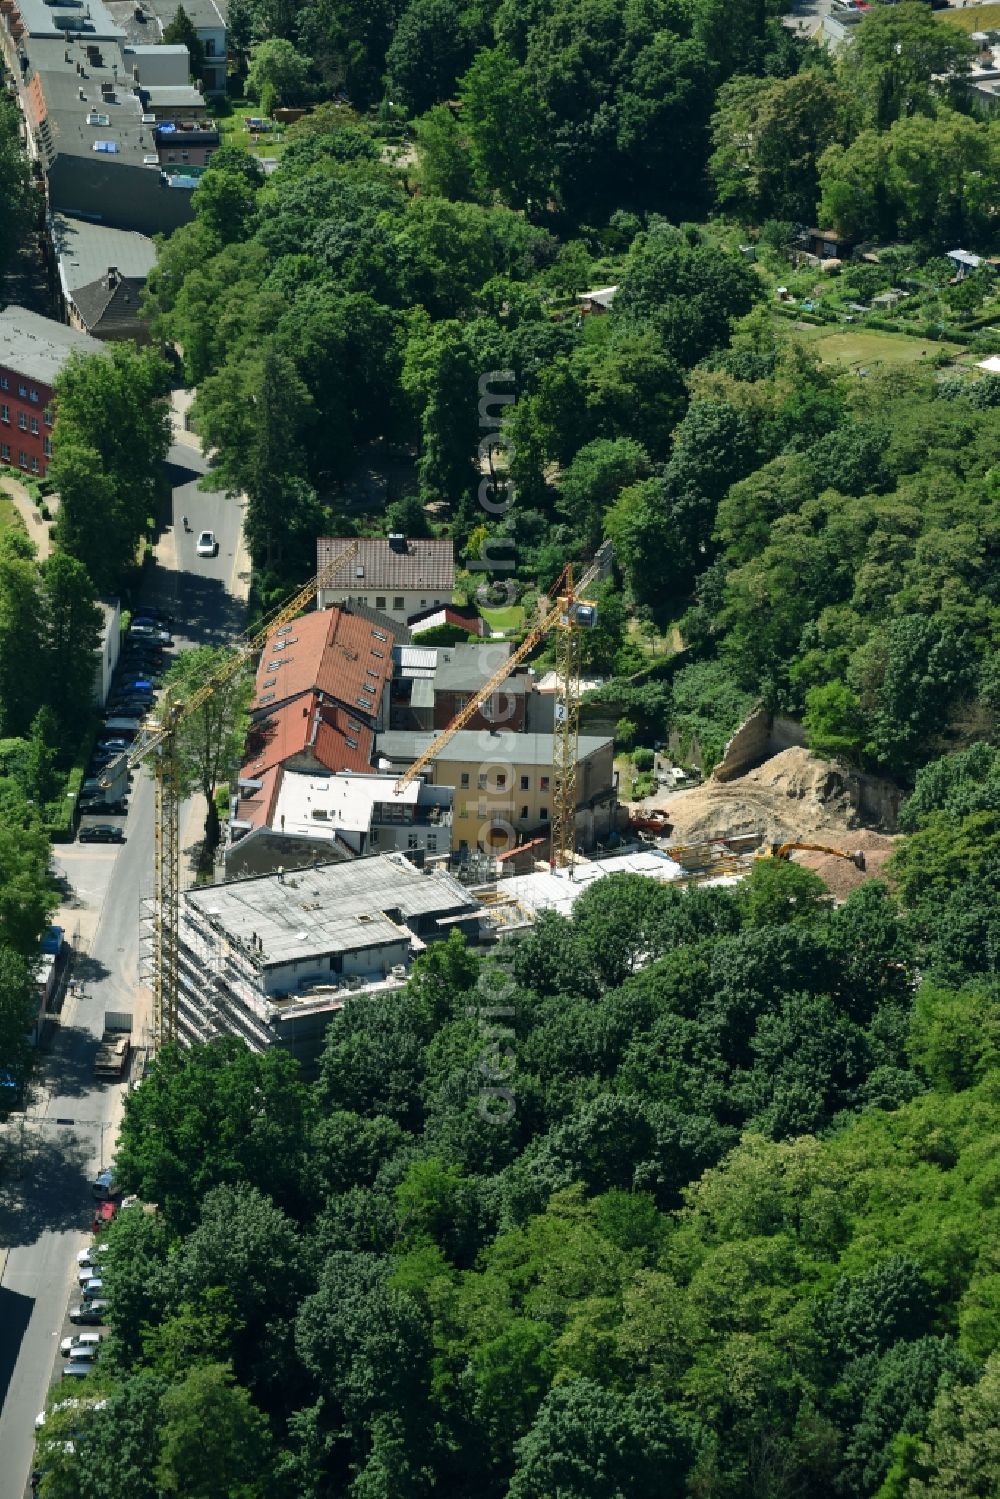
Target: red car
{"x": 103, "y": 1214}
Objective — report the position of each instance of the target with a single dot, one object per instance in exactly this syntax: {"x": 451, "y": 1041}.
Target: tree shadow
{"x": 15, "y": 1314}
{"x": 44, "y": 1183}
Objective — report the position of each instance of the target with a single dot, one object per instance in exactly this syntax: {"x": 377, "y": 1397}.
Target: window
{"x": 4, "y": 383}
{"x": 411, "y": 840}
{"x": 465, "y": 780}
{"x": 33, "y": 396}
{"x": 525, "y": 783}
{"x": 47, "y": 413}
{"x": 22, "y": 390}
{"x": 524, "y": 814}
{"x": 432, "y": 843}
{"x": 47, "y": 445}
{"x": 5, "y": 414}
{"x": 34, "y": 465}
{"x": 374, "y": 835}
{"x": 501, "y": 780}
{"x": 544, "y": 783}
{"x": 423, "y": 603}
{"x": 482, "y": 780}
{"x": 481, "y": 809}
{"x": 22, "y": 420}
{"x": 380, "y": 601}
{"x": 397, "y": 603}
{"x": 463, "y": 846}
{"x": 543, "y": 814}
{"x": 22, "y": 458}
{"x": 34, "y": 425}
{"x": 5, "y": 451}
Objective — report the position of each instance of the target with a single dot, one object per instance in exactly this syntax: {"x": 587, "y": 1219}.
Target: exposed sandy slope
{"x": 793, "y": 796}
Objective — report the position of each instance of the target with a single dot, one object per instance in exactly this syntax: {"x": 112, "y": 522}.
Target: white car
{"x": 206, "y": 545}
{"x": 92, "y": 1255}
{"x": 77, "y": 1341}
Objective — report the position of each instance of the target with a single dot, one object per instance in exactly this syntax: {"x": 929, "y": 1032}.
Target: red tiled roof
{"x": 255, "y": 806}
{"x": 342, "y": 655}
{"x": 338, "y": 740}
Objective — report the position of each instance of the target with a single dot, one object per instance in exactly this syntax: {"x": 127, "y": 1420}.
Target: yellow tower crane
{"x": 567, "y": 614}
{"x": 157, "y": 744}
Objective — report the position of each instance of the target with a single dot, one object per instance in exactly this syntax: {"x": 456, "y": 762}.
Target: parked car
{"x": 138, "y": 681}
{"x": 103, "y": 1185}
{"x": 93, "y": 806}
{"x": 77, "y": 1369}
{"x": 151, "y": 632}
{"x": 92, "y": 1255}
{"x": 92, "y": 1289}
{"x": 116, "y": 742}
{"x": 80, "y": 1340}
{"x": 206, "y": 545}
{"x": 102, "y": 832}
{"x": 89, "y": 1312}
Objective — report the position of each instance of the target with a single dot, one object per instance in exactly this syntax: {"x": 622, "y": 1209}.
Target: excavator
{"x": 785, "y": 851}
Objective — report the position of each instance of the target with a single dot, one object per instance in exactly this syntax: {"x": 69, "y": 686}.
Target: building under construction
{"x": 273, "y": 959}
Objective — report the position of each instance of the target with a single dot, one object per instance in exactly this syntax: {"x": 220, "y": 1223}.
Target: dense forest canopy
{"x": 692, "y": 1191}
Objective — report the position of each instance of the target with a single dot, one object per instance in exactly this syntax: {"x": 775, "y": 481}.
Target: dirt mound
{"x": 793, "y": 797}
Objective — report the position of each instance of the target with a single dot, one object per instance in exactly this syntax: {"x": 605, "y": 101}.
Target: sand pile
{"x": 794, "y": 796}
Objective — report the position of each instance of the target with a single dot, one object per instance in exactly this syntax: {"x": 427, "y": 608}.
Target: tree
{"x": 73, "y": 626}
{"x": 180, "y": 32}
{"x": 960, "y": 1455}
{"x": 278, "y": 65}
{"x": 111, "y": 435}
{"x": 593, "y": 1443}
{"x": 768, "y": 135}
{"x": 832, "y": 721}
{"x": 593, "y": 481}
{"x": 21, "y": 635}
{"x": 16, "y": 192}
{"x": 18, "y": 1008}
{"x": 440, "y": 379}
{"x": 225, "y": 199}
{"x": 505, "y": 121}
{"x": 212, "y": 1115}
{"x": 443, "y": 168}
{"x": 216, "y": 1444}
{"x": 27, "y": 897}
{"x": 209, "y": 741}
{"x": 777, "y": 891}
{"x": 433, "y": 44}
{"x": 896, "y": 61}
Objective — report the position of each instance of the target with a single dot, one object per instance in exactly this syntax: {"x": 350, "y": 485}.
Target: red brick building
{"x": 33, "y": 353}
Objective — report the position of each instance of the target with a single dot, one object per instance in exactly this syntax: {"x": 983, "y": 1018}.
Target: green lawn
{"x": 504, "y": 619}
{"x": 973, "y": 17}
{"x": 229, "y": 115}
{"x": 870, "y": 346}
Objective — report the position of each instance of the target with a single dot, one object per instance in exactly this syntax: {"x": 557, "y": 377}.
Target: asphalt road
{"x": 48, "y": 1157}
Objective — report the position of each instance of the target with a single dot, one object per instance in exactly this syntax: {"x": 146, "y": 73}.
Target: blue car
{"x": 138, "y": 684}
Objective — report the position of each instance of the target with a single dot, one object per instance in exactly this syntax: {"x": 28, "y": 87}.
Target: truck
{"x": 113, "y": 1052}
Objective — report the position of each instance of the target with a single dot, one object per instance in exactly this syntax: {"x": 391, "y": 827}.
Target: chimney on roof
{"x": 397, "y": 542}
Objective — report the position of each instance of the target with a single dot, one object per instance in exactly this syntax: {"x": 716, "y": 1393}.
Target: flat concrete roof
{"x": 39, "y": 347}
{"x": 404, "y": 745}
{"x": 86, "y": 18}
{"x": 328, "y": 909}
{"x": 468, "y": 667}
{"x": 316, "y": 806}
{"x": 548, "y": 891}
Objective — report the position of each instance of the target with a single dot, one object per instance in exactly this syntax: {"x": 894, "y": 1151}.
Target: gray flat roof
{"x": 330, "y": 908}
{"x": 467, "y": 667}
{"x": 39, "y": 347}
{"x": 86, "y": 18}
{"x": 202, "y": 13}
{"x": 173, "y": 96}
{"x": 404, "y": 745}
{"x": 86, "y": 252}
